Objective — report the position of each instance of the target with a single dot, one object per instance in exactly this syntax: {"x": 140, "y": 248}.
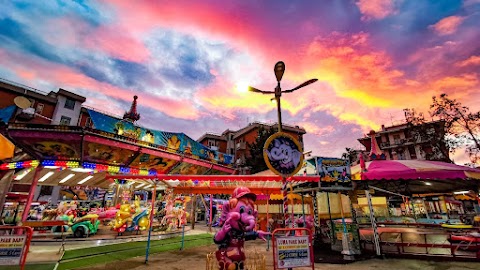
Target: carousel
{"x": 56, "y": 171}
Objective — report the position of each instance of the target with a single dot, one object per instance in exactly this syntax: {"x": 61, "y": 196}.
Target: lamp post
{"x": 279, "y": 70}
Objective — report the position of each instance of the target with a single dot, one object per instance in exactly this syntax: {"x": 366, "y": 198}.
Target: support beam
{"x": 6, "y": 178}
{"x": 193, "y": 215}
{"x": 28, "y": 204}
{"x": 376, "y": 239}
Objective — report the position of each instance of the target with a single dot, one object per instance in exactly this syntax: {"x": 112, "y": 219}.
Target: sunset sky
{"x": 187, "y": 60}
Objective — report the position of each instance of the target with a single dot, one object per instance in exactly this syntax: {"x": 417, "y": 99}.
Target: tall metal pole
{"x": 152, "y": 211}
{"x": 211, "y": 212}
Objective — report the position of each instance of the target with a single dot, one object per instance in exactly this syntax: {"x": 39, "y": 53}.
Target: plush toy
{"x": 238, "y": 221}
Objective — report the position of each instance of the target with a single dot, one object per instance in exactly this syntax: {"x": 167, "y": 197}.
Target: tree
{"x": 432, "y": 136}
{"x": 462, "y": 124}
{"x": 457, "y": 127}
{"x": 351, "y": 155}
{"x": 256, "y": 161}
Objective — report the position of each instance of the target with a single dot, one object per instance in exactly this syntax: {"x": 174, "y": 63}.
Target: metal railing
{"x": 427, "y": 243}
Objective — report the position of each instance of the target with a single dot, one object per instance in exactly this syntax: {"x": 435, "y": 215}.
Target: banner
{"x": 11, "y": 249}
{"x": 293, "y": 251}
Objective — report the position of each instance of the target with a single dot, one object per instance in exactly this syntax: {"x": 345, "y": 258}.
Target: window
{"x": 39, "y": 108}
{"x": 65, "y": 120}
{"x": 396, "y": 139}
{"x": 70, "y": 104}
{"x": 88, "y": 122}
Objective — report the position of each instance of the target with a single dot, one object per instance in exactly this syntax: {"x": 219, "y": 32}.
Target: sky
{"x": 188, "y": 61}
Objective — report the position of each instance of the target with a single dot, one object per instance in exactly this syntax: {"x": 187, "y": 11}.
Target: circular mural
{"x": 283, "y": 154}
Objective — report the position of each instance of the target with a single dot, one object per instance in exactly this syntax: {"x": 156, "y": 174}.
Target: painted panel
{"x": 100, "y": 153}
{"x": 147, "y": 161}
{"x": 187, "y": 169}
{"x": 61, "y": 148}
{"x": 174, "y": 142}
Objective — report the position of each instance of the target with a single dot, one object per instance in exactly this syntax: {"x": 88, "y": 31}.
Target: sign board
{"x": 283, "y": 154}
{"x": 333, "y": 169}
{"x": 11, "y": 249}
{"x": 293, "y": 251}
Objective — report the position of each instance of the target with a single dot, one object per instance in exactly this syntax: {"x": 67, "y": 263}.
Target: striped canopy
{"x": 412, "y": 169}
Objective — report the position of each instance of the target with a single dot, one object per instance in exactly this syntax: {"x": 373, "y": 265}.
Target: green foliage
{"x": 255, "y": 161}
{"x": 351, "y": 155}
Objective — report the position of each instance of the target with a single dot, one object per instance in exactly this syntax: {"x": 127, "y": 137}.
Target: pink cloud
{"x": 376, "y": 9}
{"x": 472, "y": 61}
{"x": 118, "y": 43}
{"x": 68, "y": 78}
{"x": 111, "y": 40}
{"x": 448, "y": 25}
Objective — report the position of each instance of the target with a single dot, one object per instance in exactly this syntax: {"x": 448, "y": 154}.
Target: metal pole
{"x": 154, "y": 194}
{"x": 292, "y": 215}
{"x": 285, "y": 202}
{"x": 183, "y": 237}
{"x": 278, "y": 94}
{"x": 211, "y": 210}
{"x": 194, "y": 211}
{"x": 347, "y": 252}
{"x": 268, "y": 223}
{"x": 330, "y": 215}
{"x": 374, "y": 224}
{"x": 303, "y": 213}
{"x": 7, "y": 177}
{"x": 33, "y": 186}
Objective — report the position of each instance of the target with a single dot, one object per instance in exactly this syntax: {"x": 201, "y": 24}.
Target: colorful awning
{"x": 412, "y": 169}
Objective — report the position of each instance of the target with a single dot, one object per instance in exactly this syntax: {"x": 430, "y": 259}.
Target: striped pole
{"x": 315, "y": 212}
{"x": 292, "y": 216}
{"x": 285, "y": 202}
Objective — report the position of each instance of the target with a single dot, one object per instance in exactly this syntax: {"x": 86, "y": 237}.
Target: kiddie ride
{"x": 131, "y": 219}
{"x": 78, "y": 222}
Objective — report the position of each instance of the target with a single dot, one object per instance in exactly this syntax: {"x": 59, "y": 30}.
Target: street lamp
{"x": 279, "y": 69}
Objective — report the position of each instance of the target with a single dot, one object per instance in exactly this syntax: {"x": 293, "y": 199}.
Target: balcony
{"x": 241, "y": 146}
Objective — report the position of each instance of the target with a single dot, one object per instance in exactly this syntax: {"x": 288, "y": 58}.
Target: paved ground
{"x": 195, "y": 258}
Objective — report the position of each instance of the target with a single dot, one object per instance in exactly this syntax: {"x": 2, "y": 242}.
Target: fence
{"x": 427, "y": 244}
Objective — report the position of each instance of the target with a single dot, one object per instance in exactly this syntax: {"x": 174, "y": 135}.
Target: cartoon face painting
{"x": 283, "y": 154}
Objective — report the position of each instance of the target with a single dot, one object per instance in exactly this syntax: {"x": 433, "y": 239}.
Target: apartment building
{"x": 59, "y": 108}
{"x": 398, "y": 143}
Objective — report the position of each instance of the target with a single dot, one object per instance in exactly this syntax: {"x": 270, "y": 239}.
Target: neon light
{"x": 85, "y": 179}
{"x": 47, "y": 175}
{"x": 66, "y": 178}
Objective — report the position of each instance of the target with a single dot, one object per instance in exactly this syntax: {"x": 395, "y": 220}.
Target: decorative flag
{"x": 6, "y": 148}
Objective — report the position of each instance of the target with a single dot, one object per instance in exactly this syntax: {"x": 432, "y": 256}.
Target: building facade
{"x": 236, "y": 142}
{"x": 398, "y": 142}
{"x": 58, "y": 108}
